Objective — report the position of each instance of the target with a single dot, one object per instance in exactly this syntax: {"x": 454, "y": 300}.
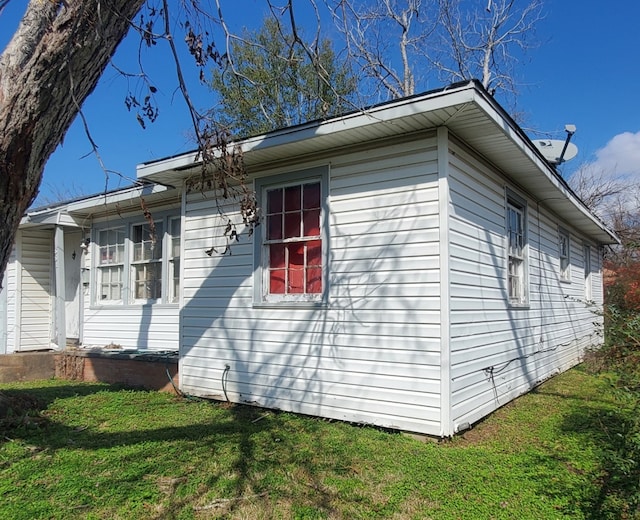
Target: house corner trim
{"x": 446, "y": 426}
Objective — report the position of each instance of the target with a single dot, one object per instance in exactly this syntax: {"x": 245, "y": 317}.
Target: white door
{"x": 72, "y": 291}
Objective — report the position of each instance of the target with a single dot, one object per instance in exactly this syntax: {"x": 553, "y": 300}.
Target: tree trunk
{"x": 51, "y": 65}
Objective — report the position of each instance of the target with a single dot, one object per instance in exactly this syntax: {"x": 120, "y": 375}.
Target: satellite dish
{"x": 552, "y": 150}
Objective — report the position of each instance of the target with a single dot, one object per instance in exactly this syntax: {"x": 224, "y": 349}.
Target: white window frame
{"x": 129, "y": 263}
{"x": 588, "y": 278}
{"x": 152, "y": 239}
{"x": 173, "y": 243}
{"x": 106, "y": 263}
{"x": 517, "y": 249}
{"x": 262, "y": 295}
{"x": 564, "y": 254}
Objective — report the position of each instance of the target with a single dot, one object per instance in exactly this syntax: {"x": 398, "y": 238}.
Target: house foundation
{"x": 136, "y": 369}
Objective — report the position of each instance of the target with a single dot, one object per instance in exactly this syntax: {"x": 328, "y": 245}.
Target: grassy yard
{"x": 97, "y": 451}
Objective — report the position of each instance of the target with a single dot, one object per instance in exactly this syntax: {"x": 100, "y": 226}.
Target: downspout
{"x": 446, "y": 426}
{"x": 59, "y": 318}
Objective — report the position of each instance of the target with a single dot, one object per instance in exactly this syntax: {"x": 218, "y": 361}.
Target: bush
{"x": 620, "y": 356}
{"x": 623, "y": 287}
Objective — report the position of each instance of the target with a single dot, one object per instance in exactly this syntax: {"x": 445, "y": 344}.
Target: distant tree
{"x": 272, "y": 82}
{"x": 387, "y": 43}
{"x": 615, "y": 199}
{"x": 404, "y": 46}
{"x": 596, "y": 188}
{"x": 482, "y": 40}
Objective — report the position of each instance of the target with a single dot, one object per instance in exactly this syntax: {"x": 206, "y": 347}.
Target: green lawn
{"x": 101, "y": 452}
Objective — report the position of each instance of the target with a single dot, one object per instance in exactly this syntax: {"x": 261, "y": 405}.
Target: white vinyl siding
{"x": 564, "y": 254}
{"x": 10, "y": 281}
{"x": 587, "y": 270}
{"x": 372, "y": 353}
{"x": 35, "y": 289}
{"x": 3, "y": 318}
{"x": 499, "y": 351}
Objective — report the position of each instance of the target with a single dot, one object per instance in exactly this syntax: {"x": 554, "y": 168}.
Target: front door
{"x": 73, "y": 291}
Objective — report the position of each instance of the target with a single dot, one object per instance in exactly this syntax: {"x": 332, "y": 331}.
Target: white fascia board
{"x": 386, "y": 113}
{"x": 128, "y": 194}
{"x": 62, "y": 215}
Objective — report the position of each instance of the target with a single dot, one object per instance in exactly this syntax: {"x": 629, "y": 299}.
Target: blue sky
{"x": 585, "y": 72}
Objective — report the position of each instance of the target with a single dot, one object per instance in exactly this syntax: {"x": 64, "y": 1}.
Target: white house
{"x": 417, "y": 265}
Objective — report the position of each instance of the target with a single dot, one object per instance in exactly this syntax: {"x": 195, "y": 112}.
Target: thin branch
{"x": 94, "y": 146}
{"x": 193, "y": 113}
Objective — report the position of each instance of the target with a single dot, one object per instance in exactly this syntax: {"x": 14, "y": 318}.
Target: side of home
{"x": 362, "y": 346}
{"x": 520, "y": 309}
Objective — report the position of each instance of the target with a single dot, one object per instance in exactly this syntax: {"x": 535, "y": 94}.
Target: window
{"x": 564, "y": 250}
{"x": 110, "y": 264}
{"x": 587, "y": 273}
{"x": 516, "y": 249}
{"x": 138, "y": 263}
{"x": 146, "y": 265}
{"x": 174, "y": 260}
{"x": 291, "y": 249}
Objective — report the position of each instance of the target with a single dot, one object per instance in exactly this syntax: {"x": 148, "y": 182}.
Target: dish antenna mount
{"x": 556, "y": 151}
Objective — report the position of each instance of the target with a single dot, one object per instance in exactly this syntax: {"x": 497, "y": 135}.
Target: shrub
{"x": 620, "y": 355}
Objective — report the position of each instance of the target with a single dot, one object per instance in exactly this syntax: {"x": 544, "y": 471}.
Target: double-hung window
{"x": 110, "y": 265}
{"x": 564, "y": 254}
{"x": 516, "y": 215}
{"x": 146, "y": 264}
{"x": 291, "y": 249}
{"x": 174, "y": 260}
{"x": 138, "y": 262}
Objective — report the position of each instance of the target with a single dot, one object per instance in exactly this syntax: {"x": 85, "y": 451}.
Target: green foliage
{"x": 272, "y": 81}
{"x": 619, "y": 357}
{"x": 110, "y": 453}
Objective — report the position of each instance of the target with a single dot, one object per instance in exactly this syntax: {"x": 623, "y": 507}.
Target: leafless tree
{"x": 615, "y": 198}
{"x": 486, "y": 41}
{"x": 387, "y": 41}
{"x": 54, "y": 61}
{"x": 404, "y": 45}
{"x": 596, "y": 188}
{"x": 62, "y": 47}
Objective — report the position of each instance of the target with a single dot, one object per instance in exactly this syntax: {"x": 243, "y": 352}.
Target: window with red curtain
{"x": 293, "y": 239}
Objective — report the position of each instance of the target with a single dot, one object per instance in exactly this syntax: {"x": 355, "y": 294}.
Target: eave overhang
{"x": 467, "y": 110}
{"x": 76, "y": 213}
